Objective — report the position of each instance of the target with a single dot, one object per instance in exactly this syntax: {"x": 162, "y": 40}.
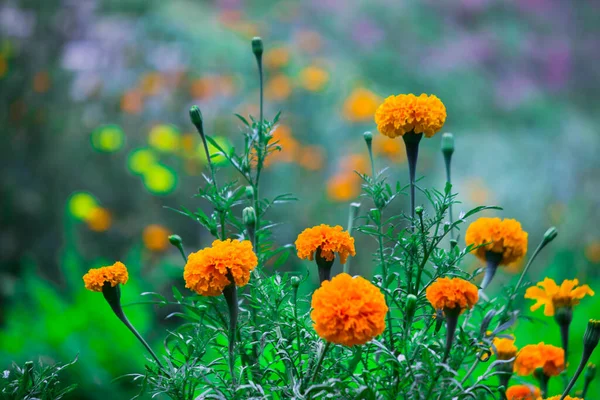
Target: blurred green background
{"x": 96, "y": 141}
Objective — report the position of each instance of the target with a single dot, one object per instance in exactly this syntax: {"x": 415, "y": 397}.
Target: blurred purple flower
{"x": 513, "y": 90}
{"x": 16, "y": 22}
{"x": 467, "y": 51}
{"x": 366, "y": 33}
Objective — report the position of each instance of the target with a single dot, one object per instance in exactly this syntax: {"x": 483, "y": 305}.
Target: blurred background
{"x": 94, "y": 97}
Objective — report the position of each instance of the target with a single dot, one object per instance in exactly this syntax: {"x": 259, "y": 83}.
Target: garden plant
{"x": 422, "y": 327}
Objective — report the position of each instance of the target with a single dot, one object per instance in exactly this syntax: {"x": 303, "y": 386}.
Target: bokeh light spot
{"x": 164, "y": 138}
{"x": 140, "y": 160}
{"x": 81, "y": 205}
{"x": 108, "y": 138}
{"x": 160, "y": 179}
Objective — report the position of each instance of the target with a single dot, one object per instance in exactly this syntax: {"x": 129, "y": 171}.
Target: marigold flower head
{"x": 405, "y": 113}
{"x": 348, "y": 310}
{"x": 452, "y": 294}
{"x": 548, "y": 294}
{"x": 504, "y": 348}
{"x": 329, "y": 239}
{"x": 208, "y": 271}
{"x": 546, "y": 356}
{"x": 505, "y": 237}
{"x": 523, "y": 392}
{"x": 567, "y": 397}
{"x": 96, "y": 277}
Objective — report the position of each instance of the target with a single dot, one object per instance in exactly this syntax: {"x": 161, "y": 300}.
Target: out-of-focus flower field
{"x": 97, "y": 142}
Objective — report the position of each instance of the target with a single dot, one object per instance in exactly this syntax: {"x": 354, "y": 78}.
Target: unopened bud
{"x": 295, "y": 281}
{"x": 249, "y": 192}
{"x": 550, "y": 235}
{"x": 257, "y": 46}
{"x": 592, "y": 335}
{"x": 175, "y": 240}
{"x": 196, "y": 117}
{"x": 419, "y": 210}
{"x": 411, "y": 304}
{"x": 590, "y": 372}
{"x": 368, "y": 136}
{"x": 249, "y": 217}
{"x": 447, "y": 143}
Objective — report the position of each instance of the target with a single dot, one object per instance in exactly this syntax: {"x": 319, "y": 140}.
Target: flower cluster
{"x": 404, "y": 113}
{"x": 451, "y": 294}
{"x": 548, "y": 294}
{"x": 96, "y": 278}
{"x": 540, "y": 355}
{"x": 503, "y": 237}
{"x": 210, "y": 270}
{"x": 348, "y": 310}
{"x": 328, "y": 240}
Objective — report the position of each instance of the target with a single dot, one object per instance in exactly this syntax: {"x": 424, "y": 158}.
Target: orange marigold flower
{"x": 546, "y": 356}
{"x": 208, "y": 271}
{"x": 328, "y": 239}
{"x": 404, "y": 113}
{"x": 504, "y": 348}
{"x": 348, "y": 310}
{"x": 505, "y": 237}
{"x": 451, "y": 294}
{"x": 156, "y": 237}
{"x": 566, "y": 398}
{"x": 523, "y": 392}
{"x": 97, "y": 277}
{"x": 548, "y": 294}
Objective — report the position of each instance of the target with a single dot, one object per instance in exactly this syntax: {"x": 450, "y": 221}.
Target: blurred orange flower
{"x": 289, "y": 146}
{"x": 533, "y": 356}
{"x": 311, "y": 158}
{"x": 390, "y": 148}
{"x": 355, "y": 162}
{"x": 99, "y": 219}
{"x": 361, "y": 105}
{"x": 314, "y": 78}
{"x": 41, "y": 82}
{"x": 329, "y": 240}
{"x": 343, "y": 187}
{"x": 114, "y": 274}
{"x": 132, "y": 102}
{"x": 151, "y": 83}
{"x": 308, "y": 41}
{"x": 156, "y": 237}
{"x": 548, "y": 294}
{"x": 278, "y": 88}
{"x": 277, "y": 57}
{"x": 592, "y": 252}
{"x": 348, "y": 310}
{"x": 523, "y": 392}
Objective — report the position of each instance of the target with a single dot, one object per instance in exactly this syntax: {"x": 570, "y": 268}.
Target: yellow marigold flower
{"x": 207, "y": 271}
{"x": 546, "y": 356}
{"x": 328, "y": 239}
{"x": 452, "y": 294}
{"x": 156, "y": 237}
{"x": 348, "y": 310}
{"x": 114, "y": 274}
{"x": 360, "y": 105}
{"x": 566, "y": 398}
{"x": 314, "y": 78}
{"x": 548, "y": 294}
{"x": 504, "y": 348}
{"x": 523, "y": 392}
{"x": 405, "y": 113}
{"x": 505, "y": 237}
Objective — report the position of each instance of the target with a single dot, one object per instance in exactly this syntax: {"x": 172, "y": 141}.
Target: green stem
{"x": 295, "y": 298}
{"x": 411, "y": 142}
{"x": 320, "y": 361}
{"x": 351, "y": 216}
{"x": 384, "y": 284}
{"x": 448, "y": 162}
{"x": 230, "y": 293}
{"x": 584, "y": 359}
{"x": 421, "y": 266}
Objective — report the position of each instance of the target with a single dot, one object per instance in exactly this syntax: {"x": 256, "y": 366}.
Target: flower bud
{"x": 295, "y": 281}
{"x": 249, "y": 217}
{"x": 592, "y": 335}
{"x": 448, "y": 143}
{"x": 590, "y": 373}
{"x": 375, "y": 215}
{"x": 368, "y": 136}
{"x": 550, "y": 235}
{"x": 419, "y": 210}
{"x": 197, "y": 120}
{"x": 249, "y": 192}
{"x": 257, "y": 46}
{"x": 411, "y": 304}
{"x": 175, "y": 240}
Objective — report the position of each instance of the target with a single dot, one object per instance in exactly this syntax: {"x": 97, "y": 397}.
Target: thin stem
{"x": 448, "y": 162}
{"x": 351, "y": 216}
{"x": 470, "y": 371}
{"x": 384, "y": 283}
{"x": 411, "y": 142}
{"x": 424, "y": 240}
{"x": 320, "y": 361}
{"x": 230, "y": 293}
{"x": 584, "y": 359}
{"x": 295, "y": 298}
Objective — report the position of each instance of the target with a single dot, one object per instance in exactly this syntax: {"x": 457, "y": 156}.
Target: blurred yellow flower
{"x": 343, "y": 187}
{"x": 592, "y": 252}
{"x": 390, "y": 148}
{"x": 97, "y": 277}
{"x": 361, "y": 105}
{"x": 156, "y": 237}
{"x": 159, "y": 179}
{"x": 548, "y": 294}
{"x": 81, "y": 205}
{"x": 278, "y": 88}
{"x": 311, "y": 158}
{"x": 405, "y": 113}
{"x": 99, "y": 219}
{"x": 164, "y": 138}
{"x": 277, "y": 57}
{"x": 108, "y": 138}
{"x": 140, "y": 160}
{"x": 151, "y": 83}
{"x": 314, "y": 78}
